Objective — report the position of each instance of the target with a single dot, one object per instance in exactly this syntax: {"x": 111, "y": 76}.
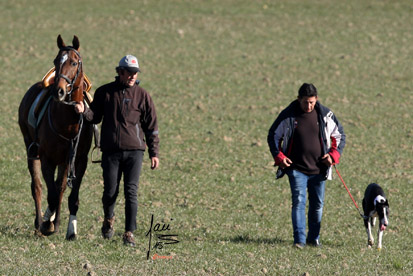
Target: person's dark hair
{"x": 307, "y": 90}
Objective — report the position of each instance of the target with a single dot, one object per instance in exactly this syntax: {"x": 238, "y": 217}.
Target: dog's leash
{"x": 348, "y": 191}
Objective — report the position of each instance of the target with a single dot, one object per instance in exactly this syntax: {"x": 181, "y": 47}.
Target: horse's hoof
{"x": 71, "y": 237}
{"x": 47, "y": 228}
{"x": 370, "y": 242}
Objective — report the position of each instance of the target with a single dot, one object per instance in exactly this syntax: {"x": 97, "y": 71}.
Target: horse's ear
{"x": 76, "y": 43}
{"x": 60, "y": 42}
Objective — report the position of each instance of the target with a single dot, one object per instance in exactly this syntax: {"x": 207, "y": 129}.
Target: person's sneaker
{"x": 107, "y": 228}
{"x": 314, "y": 243}
{"x": 128, "y": 239}
{"x": 299, "y": 245}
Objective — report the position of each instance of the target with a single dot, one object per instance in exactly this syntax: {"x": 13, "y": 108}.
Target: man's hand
{"x": 327, "y": 160}
{"x": 154, "y": 162}
{"x": 285, "y": 163}
{"x": 80, "y": 107}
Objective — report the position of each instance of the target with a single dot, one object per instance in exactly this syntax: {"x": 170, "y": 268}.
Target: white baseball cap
{"x": 130, "y": 63}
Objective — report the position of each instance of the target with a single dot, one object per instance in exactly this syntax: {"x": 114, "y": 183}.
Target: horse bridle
{"x": 74, "y": 142}
{"x": 66, "y": 78}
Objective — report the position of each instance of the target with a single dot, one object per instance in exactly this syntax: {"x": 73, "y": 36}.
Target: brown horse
{"x": 61, "y": 138}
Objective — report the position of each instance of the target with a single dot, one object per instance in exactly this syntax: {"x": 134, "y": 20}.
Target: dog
{"x": 375, "y": 205}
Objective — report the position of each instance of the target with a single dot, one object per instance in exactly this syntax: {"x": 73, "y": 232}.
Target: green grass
{"x": 219, "y": 73}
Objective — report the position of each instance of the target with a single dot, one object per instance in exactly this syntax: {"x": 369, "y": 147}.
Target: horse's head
{"x": 69, "y": 74}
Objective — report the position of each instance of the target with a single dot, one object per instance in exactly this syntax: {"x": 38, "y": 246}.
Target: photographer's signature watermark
{"x": 161, "y": 239}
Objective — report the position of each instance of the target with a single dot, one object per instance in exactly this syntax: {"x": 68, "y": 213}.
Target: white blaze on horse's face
{"x": 63, "y": 59}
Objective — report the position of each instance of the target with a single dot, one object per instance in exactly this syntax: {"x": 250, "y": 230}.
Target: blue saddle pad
{"x": 33, "y": 121}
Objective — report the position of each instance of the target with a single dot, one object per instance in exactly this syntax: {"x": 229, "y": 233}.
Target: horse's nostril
{"x": 61, "y": 94}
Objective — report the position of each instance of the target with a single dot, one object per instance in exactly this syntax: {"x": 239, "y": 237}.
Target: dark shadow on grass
{"x": 247, "y": 239}
{"x": 259, "y": 240}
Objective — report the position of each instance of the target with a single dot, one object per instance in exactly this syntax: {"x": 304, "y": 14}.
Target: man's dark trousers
{"x": 114, "y": 164}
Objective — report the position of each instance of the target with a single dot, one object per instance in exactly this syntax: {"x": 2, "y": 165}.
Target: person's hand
{"x": 154, "y": 162}
{"x": 327, "y": 160}
{"x": 80, "y": 107}
{"x": 285, "y": 163}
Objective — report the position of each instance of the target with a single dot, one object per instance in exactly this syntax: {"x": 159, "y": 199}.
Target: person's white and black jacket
{"x": 281, "y": 133}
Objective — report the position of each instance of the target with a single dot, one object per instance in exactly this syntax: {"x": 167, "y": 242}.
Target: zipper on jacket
{"x": 322, "y": 126}
{"x": 121, "y": 113}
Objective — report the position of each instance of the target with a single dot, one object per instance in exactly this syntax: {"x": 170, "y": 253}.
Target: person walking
{"x": 129, "y": 124}
{"x": 305, "y": 140}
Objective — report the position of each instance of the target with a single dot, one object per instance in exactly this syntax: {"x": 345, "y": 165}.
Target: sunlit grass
{"x": 219, "y": 73}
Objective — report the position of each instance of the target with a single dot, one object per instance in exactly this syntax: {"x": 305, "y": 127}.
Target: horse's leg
{"x": 60, "y": 185}
{"x": 48, "y": 226}
{"x": 73, "y": 202}
{"x": 36, "y": 187}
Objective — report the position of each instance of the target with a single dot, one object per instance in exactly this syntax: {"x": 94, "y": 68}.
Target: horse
{"x": 62, "y": 139}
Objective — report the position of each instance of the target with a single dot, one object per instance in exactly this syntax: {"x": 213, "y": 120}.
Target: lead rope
{"x": 348, "y": 191}
{"x": 95, "y": 132}
{"x": 73, "y": 148}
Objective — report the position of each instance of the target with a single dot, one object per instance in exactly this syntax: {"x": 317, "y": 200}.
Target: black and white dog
{"x": 375, "y": 205}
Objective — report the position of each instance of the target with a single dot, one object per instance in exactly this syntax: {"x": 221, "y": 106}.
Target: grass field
{"x": 219, "y": 73}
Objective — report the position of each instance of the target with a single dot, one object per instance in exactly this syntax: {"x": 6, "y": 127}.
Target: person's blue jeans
{"x": 300, "y": 183}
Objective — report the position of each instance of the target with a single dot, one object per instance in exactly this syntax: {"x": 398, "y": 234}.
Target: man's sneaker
{"x": 107, "y": 228}
{"x": 299, "y": 245}
{"x": 314, "y": 243}
{"x": 128, "y": 239}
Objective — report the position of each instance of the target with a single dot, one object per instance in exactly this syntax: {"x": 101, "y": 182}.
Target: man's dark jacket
{"x": 129, "y": 118}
